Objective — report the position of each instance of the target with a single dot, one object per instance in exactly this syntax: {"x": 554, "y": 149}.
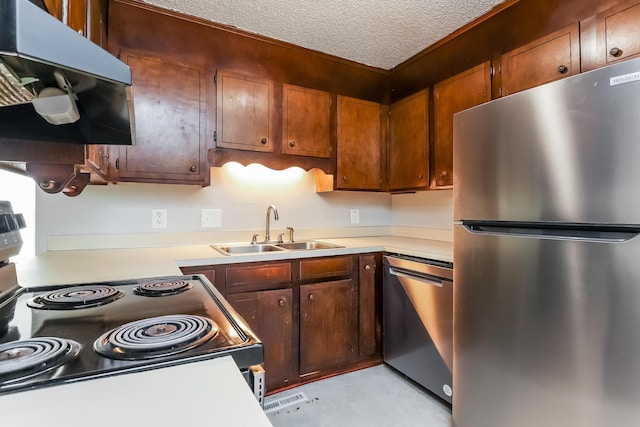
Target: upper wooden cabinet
{"x": 245, "y": 111}
{"x": 87, "y": 17}
{"x": 359, "y": 147}
{"x": 549, "y": 58}
{"x": 612, "y": 35}
{"x": 409, "y": 142}
{"x": 306, "y": 122}
{"x": 462, "y": 91}
{"x": 170, "y": 142}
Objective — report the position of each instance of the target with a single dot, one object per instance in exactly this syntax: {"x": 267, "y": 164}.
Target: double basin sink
{"x": 310, "y": 245}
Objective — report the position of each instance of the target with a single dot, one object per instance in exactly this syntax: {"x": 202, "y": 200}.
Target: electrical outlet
{"x": 158, "y": 218}
{"x": 355, "y": 216}
{"x": 211, "y": 218}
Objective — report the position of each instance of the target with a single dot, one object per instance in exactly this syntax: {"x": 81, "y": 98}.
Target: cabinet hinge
{"x": 499, "y": 91}
{"x": 215, "y": 79}
{"x": 118, "y": 163}
{"x": 492, "y": 71}
{"x": 500, "y": 68}
{"x": 215, "y": 136}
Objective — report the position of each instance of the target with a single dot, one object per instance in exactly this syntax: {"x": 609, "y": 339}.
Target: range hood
{"x": 51, "y": 74}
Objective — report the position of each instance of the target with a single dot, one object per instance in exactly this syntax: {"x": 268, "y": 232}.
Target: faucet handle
{"x": 281, "y": 238}
{"x": 290, "y": 229}
{"x": 254, "y": 239}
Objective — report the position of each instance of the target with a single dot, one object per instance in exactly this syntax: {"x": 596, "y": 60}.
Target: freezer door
{"x": 546, "y": 331}
{"x": 564, "y": 152}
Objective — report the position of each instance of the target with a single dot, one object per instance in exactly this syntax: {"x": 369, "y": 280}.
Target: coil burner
{"x": 156, "y": 337}
{"x": 27, "y": 358}
{"x": 162, "y": 288}
{"x": 75, "y": 298}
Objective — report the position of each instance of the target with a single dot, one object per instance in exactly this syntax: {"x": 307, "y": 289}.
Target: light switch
{"x": 211, "y": 218}
{"x": 355, "y": 216}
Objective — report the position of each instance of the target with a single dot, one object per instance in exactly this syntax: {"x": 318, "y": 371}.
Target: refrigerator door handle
{"x": 596, "y": 233}
{"x": 412, "y": 276}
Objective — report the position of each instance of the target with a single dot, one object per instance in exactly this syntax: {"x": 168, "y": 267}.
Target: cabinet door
{"x": 618, "y": 33}
{"x": 270, "y": 315}
{"x": 549, "y": 58}
{"x": 328, "y": 325}
{"x": 462, "y": 91}
{"x": 370, "y": 303}
{"x": 169, "y": 102}
{"x": 409, "y": 142}
{"x": 98, "y": 161}
{"x": 87, "y": 17}
{"x": 359, "y": 145}
{"x": 306, "y": 125}
{"x": 245, "y": 109}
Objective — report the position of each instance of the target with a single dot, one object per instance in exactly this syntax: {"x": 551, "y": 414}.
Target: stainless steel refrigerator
{"x": 547, "y": 255}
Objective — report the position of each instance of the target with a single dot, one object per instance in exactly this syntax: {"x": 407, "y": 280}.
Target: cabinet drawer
{"x": 319, "y": 269}
{"x": 258, "y": 277}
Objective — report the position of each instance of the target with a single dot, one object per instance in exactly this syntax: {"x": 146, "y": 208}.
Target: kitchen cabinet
{"x": 409, "y": 142}
{"x": 170, "y": 142}
{"x": 613, "y": 35}
{"x": 370, "y": 305}
{"x": 328, "y": 326}
{"x": 306, "y": 121}
{"x": 465, "y": 90}
{"x": 263, "y": 295}
{"x": 315, "y": 316}
{"x": 549, "y": 58}
{"x": 270, "y": 316}
{"x": 328, "y": 314}
{"x": 359, "y": 145}
{"x": 245, "y": 112}
{"x": 87, "y": 17}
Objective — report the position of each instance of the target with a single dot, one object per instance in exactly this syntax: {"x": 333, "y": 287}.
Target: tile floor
{"x": 372, "y": 397}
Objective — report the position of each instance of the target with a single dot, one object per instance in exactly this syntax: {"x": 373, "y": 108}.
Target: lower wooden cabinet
{"x": 328, "y": 325}
{"x": 315, "y": 316}
{"x": 270, "y": 315}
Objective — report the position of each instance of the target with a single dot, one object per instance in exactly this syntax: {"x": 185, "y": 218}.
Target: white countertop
{"x": 91, "y": 265}
{"x": 211, "y": 392}
{"x": 221, "y": 386}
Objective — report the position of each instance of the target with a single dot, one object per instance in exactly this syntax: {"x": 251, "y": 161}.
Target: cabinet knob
{"x": 281, "y": 303}
{"x": 263, "y": 140}
{"x": 344, "y": 178}
{"x": 443, "y": 174}
{"x": 562, "y": 69}
{"x": 311, "y": 297}
{"x": 420, "y": 177}
{"x": 193, "y": 169}
{"x": 615, "y": 51}
{"x": 48, "y": 185}
{"x": 292, "y": 144}
{"x": 367, "y": 267}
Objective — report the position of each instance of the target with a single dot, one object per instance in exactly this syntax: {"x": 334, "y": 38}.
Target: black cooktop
{"x": 107, "y": 328}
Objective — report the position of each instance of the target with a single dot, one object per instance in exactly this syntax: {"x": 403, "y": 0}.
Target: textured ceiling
{"x": 379, "y": 33}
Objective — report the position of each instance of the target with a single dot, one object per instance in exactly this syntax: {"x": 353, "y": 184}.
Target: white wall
{"x": 425, "y": 209}
{"x": 242, "y": 196}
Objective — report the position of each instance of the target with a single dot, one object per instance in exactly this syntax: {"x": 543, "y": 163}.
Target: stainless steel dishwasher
{"x": 418, "y": 321}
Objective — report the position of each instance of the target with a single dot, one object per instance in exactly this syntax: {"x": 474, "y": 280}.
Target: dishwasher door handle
{"x": 419, "y": 278}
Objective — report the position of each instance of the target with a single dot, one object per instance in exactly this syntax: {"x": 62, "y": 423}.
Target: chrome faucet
{"x": 267, "y": 236}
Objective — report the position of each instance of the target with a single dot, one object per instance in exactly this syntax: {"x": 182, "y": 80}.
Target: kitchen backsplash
{"x": 125, "y": 209}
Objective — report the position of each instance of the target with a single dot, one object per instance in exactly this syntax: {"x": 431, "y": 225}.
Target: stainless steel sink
{"x": 244, "y": 249}
{"x": 307, "y": 246}
{"x": 236, "y": 249}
